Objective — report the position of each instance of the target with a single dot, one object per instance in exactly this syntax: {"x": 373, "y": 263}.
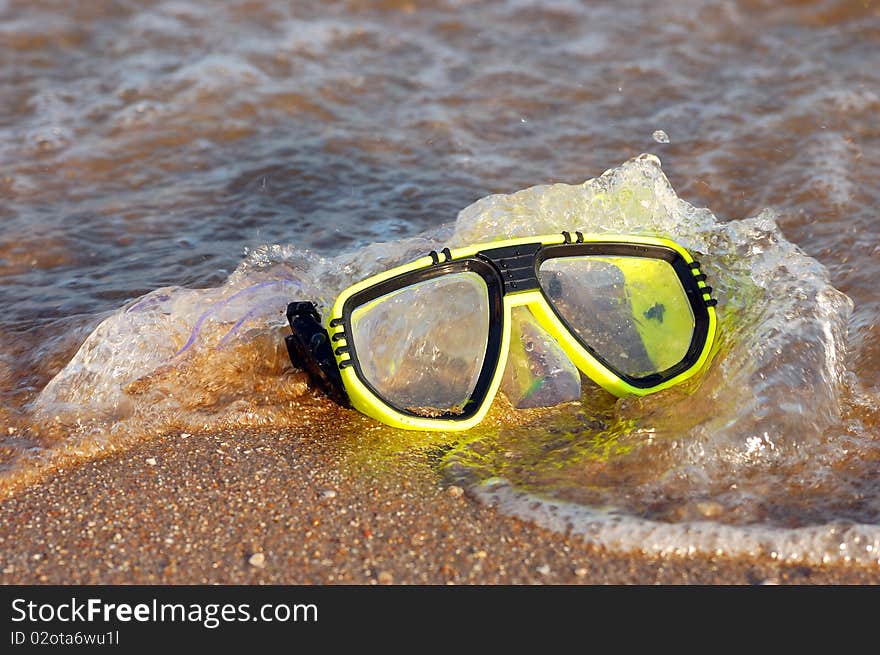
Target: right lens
{"x": 633, "y": 312}
{"x": 421, "y": 347}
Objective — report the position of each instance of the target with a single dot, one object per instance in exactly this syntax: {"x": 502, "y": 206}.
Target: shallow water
{"x": 171, "y": 176}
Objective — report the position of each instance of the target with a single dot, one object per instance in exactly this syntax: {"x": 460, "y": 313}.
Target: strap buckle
{"x": 310, "y": 349}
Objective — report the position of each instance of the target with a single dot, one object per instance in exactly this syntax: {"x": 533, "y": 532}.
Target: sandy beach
{"x": 290, "y": 507}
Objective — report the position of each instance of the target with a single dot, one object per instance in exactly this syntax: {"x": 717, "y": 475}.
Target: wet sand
{"x": 291, "y": 507}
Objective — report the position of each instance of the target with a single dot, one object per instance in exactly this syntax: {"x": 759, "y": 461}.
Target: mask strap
{"x": 310, "y": 350}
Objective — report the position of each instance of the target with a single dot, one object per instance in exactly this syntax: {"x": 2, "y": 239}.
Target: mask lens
{"x": 633, "y": 312}
{"x": 421, "y": 348}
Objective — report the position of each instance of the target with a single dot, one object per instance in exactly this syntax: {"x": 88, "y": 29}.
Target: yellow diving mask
{"x": 423, "y": 346}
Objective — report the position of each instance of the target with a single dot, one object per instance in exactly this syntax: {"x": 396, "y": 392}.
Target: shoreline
{"x": 285, "y": 507}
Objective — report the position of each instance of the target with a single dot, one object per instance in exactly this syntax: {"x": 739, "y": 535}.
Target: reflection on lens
{"x": 421, "y": 348}
{"x": 538, "y": 373}
{"x": 632, "y": 311}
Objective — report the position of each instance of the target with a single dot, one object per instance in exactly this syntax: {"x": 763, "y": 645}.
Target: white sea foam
{"x": 832, "y": 542}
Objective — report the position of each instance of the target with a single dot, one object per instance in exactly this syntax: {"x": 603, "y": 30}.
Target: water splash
{"x": 763, "y": 452}
{"x": 754, "y": 455}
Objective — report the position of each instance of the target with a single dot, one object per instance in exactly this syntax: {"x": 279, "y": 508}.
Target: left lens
{"x": 633, "y": 312}
{"x": 421, "y": 348}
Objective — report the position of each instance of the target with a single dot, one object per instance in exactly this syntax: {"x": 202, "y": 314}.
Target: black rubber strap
{"x": 310, "y": 349}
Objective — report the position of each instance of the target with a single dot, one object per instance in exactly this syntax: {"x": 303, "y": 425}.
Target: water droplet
{"x": 660, "y": 136}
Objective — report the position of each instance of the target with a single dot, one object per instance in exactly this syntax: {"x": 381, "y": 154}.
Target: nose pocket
{"x": 538, "y": 373}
